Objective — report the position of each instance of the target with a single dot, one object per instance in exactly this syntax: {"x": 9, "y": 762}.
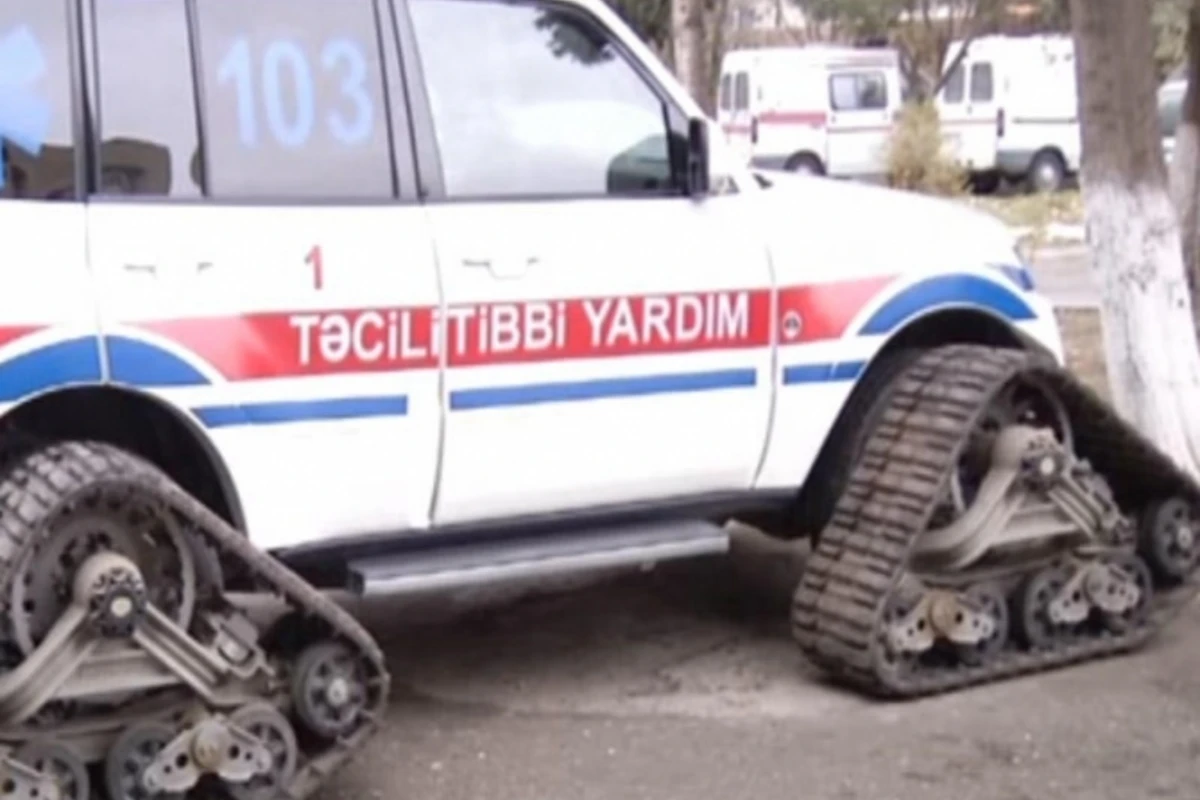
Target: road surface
{"x": 1062, "y": 274}
{"x": 682, "y": 684}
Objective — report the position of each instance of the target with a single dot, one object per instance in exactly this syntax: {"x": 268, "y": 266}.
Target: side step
{"x": 555, "y": 554}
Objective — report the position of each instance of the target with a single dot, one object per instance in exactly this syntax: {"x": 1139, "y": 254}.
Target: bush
{"x": 917, "y": 158}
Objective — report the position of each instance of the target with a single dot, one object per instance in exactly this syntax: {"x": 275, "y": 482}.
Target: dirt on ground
{"x": 1082, "y": 332}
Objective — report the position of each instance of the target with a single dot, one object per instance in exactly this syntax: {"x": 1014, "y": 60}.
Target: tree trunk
{"x": 1185, "y": 162}
{"x": 687, "y": 37}
{"x": 1133, "y": 230}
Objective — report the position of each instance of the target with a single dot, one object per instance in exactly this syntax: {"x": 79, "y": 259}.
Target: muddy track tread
{"x": 45, "y": 481}
{"x": 837, "y": 609}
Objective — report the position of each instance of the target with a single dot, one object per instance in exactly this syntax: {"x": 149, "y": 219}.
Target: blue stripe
{"x": 50, "y": 367}
{"x": 302, "y": 411}
{"x": 141, "y": 364}
{"x": 495, "y": 397}
{"x": 823, "y": 373}
{"x": 970, "y": 290}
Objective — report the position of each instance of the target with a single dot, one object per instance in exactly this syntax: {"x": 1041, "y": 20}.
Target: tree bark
{"x": 1133, "y": 231}
{"x": 1185, "y": 162}
{"x": 687, "y": 38}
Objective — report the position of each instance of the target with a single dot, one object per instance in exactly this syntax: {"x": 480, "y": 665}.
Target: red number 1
{"x": 314, "y": 259}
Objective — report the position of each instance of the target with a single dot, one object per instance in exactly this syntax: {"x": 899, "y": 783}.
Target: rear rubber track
{"x": 931, "y": 410}
{"x": 41, "y": 484}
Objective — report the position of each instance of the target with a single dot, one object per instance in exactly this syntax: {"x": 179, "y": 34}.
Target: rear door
{"x": 47, "y": 311}
{"x": 860, "y": 102}
{"x": 262, "y": 264}
{"x": 970, "y": 113}
{"x": 608, "y": 336}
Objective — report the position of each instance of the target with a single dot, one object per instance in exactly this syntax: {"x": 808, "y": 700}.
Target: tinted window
{"x": 981, "y": 83}
{"x": 741, "y": 91}
{"x": 858, "y": 91}
{"x": 293, "y": 99}
{"x": 148, "y": 136}
{"x": 955, "y": 86}
{"x": 1170, "y": 104}
{"x": 726, "y": 98}
{"x": 37, "y": 156}
{"x": 543, "y": 105}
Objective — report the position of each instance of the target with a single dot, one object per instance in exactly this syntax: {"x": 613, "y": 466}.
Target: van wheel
{"x": 1048, "y": 172}
{"x": 805, "y": 164}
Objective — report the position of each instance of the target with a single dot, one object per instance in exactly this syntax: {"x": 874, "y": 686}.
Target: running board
{"x": 545, "y": 555}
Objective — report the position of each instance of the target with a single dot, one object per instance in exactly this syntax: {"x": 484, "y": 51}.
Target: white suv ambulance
{"x": 401, "y": 294}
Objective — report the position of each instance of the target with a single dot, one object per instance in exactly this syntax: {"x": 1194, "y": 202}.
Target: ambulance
{"x": 817, "y": 109}
{"x": 307, "y": 302}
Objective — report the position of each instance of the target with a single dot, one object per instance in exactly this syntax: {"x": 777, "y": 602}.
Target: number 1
{"x": 314, "y": 260}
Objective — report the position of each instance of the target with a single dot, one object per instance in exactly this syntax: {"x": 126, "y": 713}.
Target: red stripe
{"x": 368, "y": 340}
{"x": 814, "y": 119}
{"x": 10, "y": 333}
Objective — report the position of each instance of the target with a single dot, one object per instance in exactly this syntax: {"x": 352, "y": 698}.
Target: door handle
{"x": 502, "y": 267}
{"x": 148, "y": 269}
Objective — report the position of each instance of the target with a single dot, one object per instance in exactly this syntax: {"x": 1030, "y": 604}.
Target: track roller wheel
{"x": 987, "y": 599}
{"x": 1036, "y": 623}
{"x": 329, "y": 689}
{"x": 59, "y": 763}
{"x": 1169, "y": 540}
{"x": 275, "y": 732}
{"x": 130, "y": 755}
{"x": 1137, "y": 573}
{"x": 897, "y": 648}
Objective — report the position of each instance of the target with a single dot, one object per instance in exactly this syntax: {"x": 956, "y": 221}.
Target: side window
{"x": 726, "y": 98}
{"x": 982, "y": 90}
{"x": 858, "y": 91}
{"x": 741, "y": 92}
{"x": 148, "y": 140}
{"x": 954, "y": 88}
{"x": 292, "y": 99}
{"x": 545, "y": 105}
{"x": 37, "y": 153}
{"x": 1169, "y": 110}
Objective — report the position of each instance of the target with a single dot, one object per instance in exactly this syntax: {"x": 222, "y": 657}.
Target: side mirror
{"x": 697, "y": 157}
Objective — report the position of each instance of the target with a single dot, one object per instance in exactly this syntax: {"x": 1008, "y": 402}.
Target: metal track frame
{"x": 856, "y": 568}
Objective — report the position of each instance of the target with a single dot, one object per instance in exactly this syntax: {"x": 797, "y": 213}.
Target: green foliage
{"x": 917, "y": 158}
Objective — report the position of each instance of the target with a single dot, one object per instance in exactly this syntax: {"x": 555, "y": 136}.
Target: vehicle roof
{"x": 831, "y": 55}
{"x": 997, "y": 45}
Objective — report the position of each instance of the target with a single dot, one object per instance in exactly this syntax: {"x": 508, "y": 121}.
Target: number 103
{"x": 291, "y": 124}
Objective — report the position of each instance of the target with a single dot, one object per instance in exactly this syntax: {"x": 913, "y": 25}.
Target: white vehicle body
{"x": 1011, "y": 108}
{"x": 823, "y": 109}
{"x": 366, "y": 370}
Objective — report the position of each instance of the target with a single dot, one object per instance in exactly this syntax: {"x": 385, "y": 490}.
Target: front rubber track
{"x": 931, "y": 410}
{"x": 38, "y": 485}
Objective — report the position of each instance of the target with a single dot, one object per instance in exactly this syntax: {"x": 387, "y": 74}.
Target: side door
{"x": 608, "y": 336}
{"x": 263, "y": 264}
{"x": 47, "y": 308}
{"x": 859, "y": 120}
{"x": 969, "y": 114}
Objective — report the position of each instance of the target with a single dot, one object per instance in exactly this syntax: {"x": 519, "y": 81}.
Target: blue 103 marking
{"x": 291, "y": 124}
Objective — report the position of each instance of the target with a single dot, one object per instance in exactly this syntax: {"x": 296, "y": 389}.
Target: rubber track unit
{"x": 37, "y": 486}
{"x": 934, "y": 404}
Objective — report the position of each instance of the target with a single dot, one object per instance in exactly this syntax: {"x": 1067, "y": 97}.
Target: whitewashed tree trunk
{"x": 1133, "y": 230}
{"x": 1185, "y": 163}
{"x": 687, "y": 39}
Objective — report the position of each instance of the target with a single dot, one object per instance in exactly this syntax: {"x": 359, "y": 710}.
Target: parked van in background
{"x": 820, "y": 109}
{"x": 1010, "y": 110}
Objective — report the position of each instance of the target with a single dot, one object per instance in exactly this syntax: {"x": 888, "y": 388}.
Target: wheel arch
{"x": 799, "y": 156}
{"x": 147, "y": 425}
{"x": 951, "y": 324}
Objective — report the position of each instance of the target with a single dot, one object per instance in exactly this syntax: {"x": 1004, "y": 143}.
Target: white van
{"x": 819, "y": 109}
{"x": 1010, "y": 110}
